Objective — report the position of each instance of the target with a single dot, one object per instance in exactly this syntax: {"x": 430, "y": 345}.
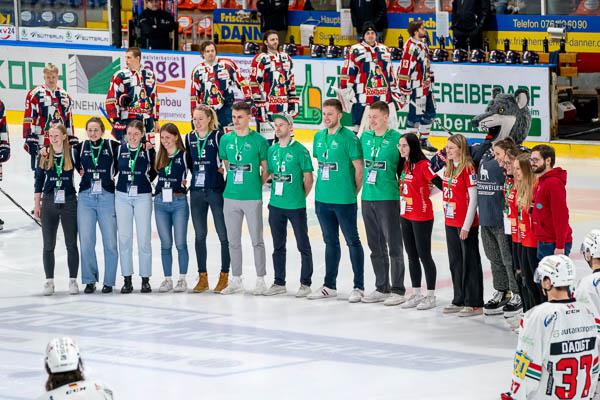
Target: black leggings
{"x": 65, "y": 214}
{"x": 417, "y": 243}
{"x": 529, "y": 262}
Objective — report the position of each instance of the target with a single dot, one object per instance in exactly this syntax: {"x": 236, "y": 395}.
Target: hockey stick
{"x": 105, "y": 114}
{"x": 21, "y": 208}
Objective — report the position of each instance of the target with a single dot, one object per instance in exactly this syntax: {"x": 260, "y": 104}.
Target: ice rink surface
{"x": 176, "y": 346}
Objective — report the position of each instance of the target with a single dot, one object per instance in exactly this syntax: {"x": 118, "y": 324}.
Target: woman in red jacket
{"x": 462, "y": 229}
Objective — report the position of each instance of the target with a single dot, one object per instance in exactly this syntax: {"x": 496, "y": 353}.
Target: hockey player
{"x": 367, "y": 76}
{"x": 414, "y": 81}
{"x": 132, "y": 95}
{"x": 65, "y": 374}
{"x": 45, "y": 105}
{"x": 557, "y": 353}
{"x": 4, "y": 145}
{"x": 588, "y": 292}
{"x": 213, "y": 81}
{"x": 272, "y": 84}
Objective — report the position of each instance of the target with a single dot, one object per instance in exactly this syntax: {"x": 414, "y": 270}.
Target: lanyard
{"x": 95, "y": 157}
{"x": 168, "y": 167}
{"x": 59, "y": 167}
{"x": 134, "y": 161}
{"x": 508, "y": 188}
{"x": 201, "y": 150}
{"x": 326, "y": 142}
{"x": 402, "y": 178}
{"x": 279, "y": 154}
{"x": 375, "y": 149}
{"x": 452, "y": 176}
{"x": 238, "y": 152}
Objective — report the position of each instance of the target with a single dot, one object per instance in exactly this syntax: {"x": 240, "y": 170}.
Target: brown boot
{"x": 223, "y": 281}
{"x": 202, "y": 284}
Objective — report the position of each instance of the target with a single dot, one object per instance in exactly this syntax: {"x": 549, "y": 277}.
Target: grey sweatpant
{"x": 498, "y": 249}
{"x": 234, "y": 211}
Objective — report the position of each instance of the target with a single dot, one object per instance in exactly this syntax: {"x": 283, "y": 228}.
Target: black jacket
{"x": 469, "y": 16}
{"x": 156, "y": 27}
{"x": 374, "y": 11}
{"x": 273, "y": 14}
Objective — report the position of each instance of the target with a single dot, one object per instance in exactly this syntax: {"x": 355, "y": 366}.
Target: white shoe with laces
{"x": 427, "y": 303}
{"x": 166, "y": 286}
{"x": 235, "y": 285}
{"x": 395, "y": 300}
{"x": 48, "y": 288}
{"x": 274, "y": 290}
{"x": 322, "y": 293}
{"x": 356, "y": 296}
{"x": 303, "y": 291}
{"x": 73, "y": 287}
{"x": 181, "y": 286}
{"x": 375, "y": 297}
{"x": 261, "y": 287}
{"x": 413, "y": 301}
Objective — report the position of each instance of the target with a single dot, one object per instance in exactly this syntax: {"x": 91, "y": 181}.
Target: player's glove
{"x": 261, "y": 111}
{"x": 294, "y": 106}
{"x": 403, "y": 98}
{"x": 124, "y": 100}
{"x": 73, "y": 141}
{"x": 118, "y": 126}
{"x": 31, "y": 145}
{"x": 4, "y": 151}
{"x": 438, "y": 161}
{"x": 506, "y": 396}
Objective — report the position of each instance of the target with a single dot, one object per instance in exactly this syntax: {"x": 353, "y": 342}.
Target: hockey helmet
{"x": 317, "y": 50}
{"x": 460, "y": 56}
{"x": 560, "y": 269}
{"x": 396, "y": 53}
{"x": 477, "y": 56}
{"x": 440, "y": 55}
{"x": 251, "y": 48}
{"x": 62, "y": 355}
{"x": 590, "y": 248}
{"x": 513, "y": 57}
{"x": 290, "y": 48}
{"x": 531, "y": 57}
{"x": 497, "y": 57}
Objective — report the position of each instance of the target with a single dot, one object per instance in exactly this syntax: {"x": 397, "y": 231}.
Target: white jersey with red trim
{"x": 557, "y": 353}
{"x": 588, "y": 292}
{"x": 82, "y": 390}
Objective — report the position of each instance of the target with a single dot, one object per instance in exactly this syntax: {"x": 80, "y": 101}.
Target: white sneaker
{"x": 470, "y": 311}
{"x": 394, "y": 300}
{"x": 323, "y": 293}
{"x": 427, "y": 303}
{"x": 166, "y": 286}
{"x": 235, "y": 285}
{"x": 451, "y": 309}
{"x": 48, "y": 288}
{"x": 275, "y": 290}
{"x": 73, "y": 287}
{"x": 181, "y": 286}
{"x": 356, "y": 296}
{"x": 303, "y": 291}
{"x": 413, "y": 301}
{"x": 261, "y": 287}
{"x": 375, "y": 297}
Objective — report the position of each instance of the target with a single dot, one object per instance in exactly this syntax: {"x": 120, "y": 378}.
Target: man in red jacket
{"x": 550, "y": 215}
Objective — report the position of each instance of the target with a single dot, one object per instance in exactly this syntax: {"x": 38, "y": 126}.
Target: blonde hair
{"x": 210, "y": 113}
{"x": 162, "y": 160}
{"x": 47, "y": 162}
{"x": 50, "y": 68}
{"x": 465, "y": 157}
{"x": 526, "y": 184}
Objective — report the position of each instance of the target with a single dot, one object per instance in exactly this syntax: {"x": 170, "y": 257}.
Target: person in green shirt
{"x": 244, "y": 154}
{"x": 381, "y": 207}
{"x": 339, "y": 180}
{"x": 290, "y": 165}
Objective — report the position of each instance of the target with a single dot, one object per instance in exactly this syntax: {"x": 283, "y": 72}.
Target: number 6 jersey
{"x": 557, "y": 353}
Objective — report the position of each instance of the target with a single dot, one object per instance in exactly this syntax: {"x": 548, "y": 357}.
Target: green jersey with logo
{"x": 381, "y": 158}
{"x": 288, "y": 165}
{"x": 244, "y": 155}
{"x": 336, "y": 175}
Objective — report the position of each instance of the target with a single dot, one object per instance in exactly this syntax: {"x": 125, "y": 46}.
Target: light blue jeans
{"x": 172, "y": 217}
{"x": 140, "y": 209}
{"x": 92, "y": 210}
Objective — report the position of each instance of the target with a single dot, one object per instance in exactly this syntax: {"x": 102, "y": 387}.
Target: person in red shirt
{"x": 550, "y": 216}
{"x": 416, "y": 218}
{"x": 460, "y": 210}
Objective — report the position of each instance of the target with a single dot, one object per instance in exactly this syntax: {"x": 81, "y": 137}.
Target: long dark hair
{"x": 415, "y": 155}
{"x": 163, "y": 155}
{"x": 64, "y": 378}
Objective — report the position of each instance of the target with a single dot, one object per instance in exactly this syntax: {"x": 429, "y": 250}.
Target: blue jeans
{"x": 428, "y": 114}
{"x": 547, "y": 249}
{"x": 92, "y": 210}
{"x": 172, "y": 217}
{"x": 331, "y": 218}
{"x": 140, "y": 209}
{"x": 200, "y": 201}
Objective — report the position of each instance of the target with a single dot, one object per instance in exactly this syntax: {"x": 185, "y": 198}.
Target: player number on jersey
{"x": 571, "y": 367}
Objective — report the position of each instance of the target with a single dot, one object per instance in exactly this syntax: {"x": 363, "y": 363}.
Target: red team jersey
{"x": 526, "y": 236}
{"x": 456, "y": 195}
{"x": 510, "y": 197}
{"x": 44, "y": 108}
{"x": 414, "y": 72}
{"x": 414, "y": 191}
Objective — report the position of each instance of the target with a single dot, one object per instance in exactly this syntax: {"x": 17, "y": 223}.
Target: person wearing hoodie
{"x": 156, "y": 25}
{"x": 550, "y": 215}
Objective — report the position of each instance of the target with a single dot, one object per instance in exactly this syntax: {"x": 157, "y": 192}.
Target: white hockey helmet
{"x": 590, "y": 248}
{"x": 62, "y": 355}
{"x": 560, "y": 269}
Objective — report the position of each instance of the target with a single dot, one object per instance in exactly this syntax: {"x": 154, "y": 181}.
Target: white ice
{"x": 172, "y": 346}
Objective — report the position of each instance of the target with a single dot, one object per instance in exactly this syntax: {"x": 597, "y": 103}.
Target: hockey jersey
{"x": 213, "y": 85}
{"x": 368, "y": 71}
{"x": 588, "y": 292}
{"x": 557, "y": 353}
{"x": 272, "y": 85}
{"x": 140, "y": 86}
{"x": 4, "y": 140}
{"x": 45, "y": 107}
{"x": 81, "y": 390}
{"x": 414, "y": 72}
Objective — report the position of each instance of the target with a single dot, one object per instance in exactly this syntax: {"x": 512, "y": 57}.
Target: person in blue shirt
{"x": 171, "y": 208}
{"x": 96, "y": 160}
{"x": 207, "y": 185}
{"x": 133, "y": 200}
{"x": 54, "y": 184}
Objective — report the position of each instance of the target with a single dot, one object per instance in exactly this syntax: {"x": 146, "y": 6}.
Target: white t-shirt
{"x": 81, "y": 390}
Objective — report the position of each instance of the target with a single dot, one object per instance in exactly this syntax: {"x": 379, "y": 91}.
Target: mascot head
{"x": 507, "y": 115}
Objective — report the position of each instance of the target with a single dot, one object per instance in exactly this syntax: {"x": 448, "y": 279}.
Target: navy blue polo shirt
{"x": 106, "y": 151}
{"x": 176, "y": 175}
{"x": 209, "y": 160}
{"x": 143, "y": 172}
{"x": 45, "y": 180}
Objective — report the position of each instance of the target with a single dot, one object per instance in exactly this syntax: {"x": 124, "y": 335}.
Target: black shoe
{"x": 107, "y": 289}
{"x": 89, "y": 288}
{"x": 513, "y": 307}
{"x": 496, "y": 303}
{"x": 127, "y": 286}
{"x": 1, "y": 224}
{"x": 146, "y": 285}
{"x": 425, "y": 145}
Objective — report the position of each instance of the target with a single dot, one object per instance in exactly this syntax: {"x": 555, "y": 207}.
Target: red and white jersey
{"x": 45, "y": 107}
{"x": 588, "y": 292}
{"x": 140, "y": 86}
{"x": 456, "y": 197}
{"x": 526, "y": 236}
{"x": 273, "y": 85}
{"x": 414, "y": 72}
{"x": 414, "y": 191}
{"x": 368, "y": 70}
{"x": 557, "y": 353}
{"x": 81, "y": 390}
